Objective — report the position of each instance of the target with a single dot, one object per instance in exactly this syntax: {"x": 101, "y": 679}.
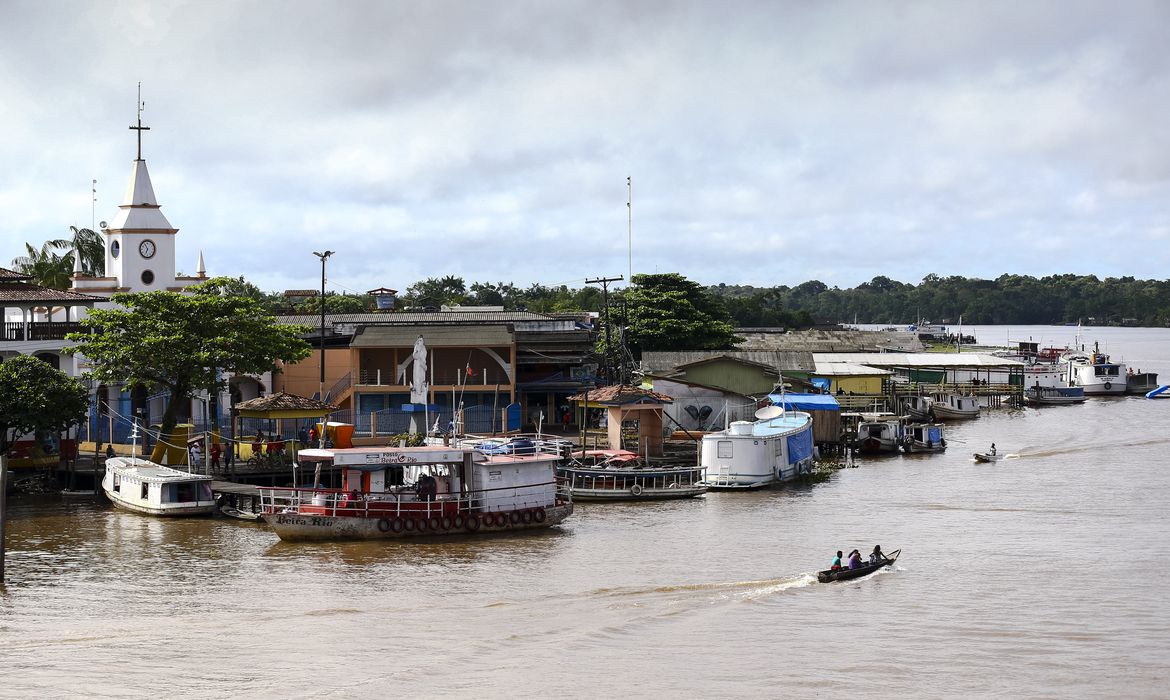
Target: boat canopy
{"x": 806, "y": 402}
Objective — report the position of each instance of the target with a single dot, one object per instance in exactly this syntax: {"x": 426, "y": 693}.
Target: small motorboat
{"x": 829, "y": 575}
{"x": 987, "y": 457}
{"x": 234, "y": 512}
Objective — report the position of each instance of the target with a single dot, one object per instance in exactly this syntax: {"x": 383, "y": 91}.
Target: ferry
{"x": 775, "y": 448}
{"x": 403, "y": 492}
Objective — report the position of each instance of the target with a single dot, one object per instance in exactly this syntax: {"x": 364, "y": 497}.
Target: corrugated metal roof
{"x": 398, "y": 336}
{"x": 658, "y": 362}
{"x": 917, "y": 359}
{"x": 849, "y": 369}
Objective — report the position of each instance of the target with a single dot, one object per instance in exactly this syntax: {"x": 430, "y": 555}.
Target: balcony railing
{"x": 480, "y": 377}
{"x": 39, "y": 330}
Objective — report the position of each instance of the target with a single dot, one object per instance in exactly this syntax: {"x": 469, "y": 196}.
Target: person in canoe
{"x": 876, "y": 556}
{"x": 836, "y": 566}
{"x": 855, "y": 560}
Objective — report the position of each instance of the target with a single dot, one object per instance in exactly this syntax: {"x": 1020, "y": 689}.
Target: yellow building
{"x": 850, "y": 378}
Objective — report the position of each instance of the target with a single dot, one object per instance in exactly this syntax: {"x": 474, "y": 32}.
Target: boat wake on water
{"x": 735, "y": 589}
{"x": 1074, "y": 449}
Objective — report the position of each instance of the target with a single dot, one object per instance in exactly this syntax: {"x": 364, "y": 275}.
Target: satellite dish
{"x": 769, "y": 412}
{"x": 102, "y": 224}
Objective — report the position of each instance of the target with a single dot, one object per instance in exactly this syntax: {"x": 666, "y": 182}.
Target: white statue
{"x": 419, "y": 387}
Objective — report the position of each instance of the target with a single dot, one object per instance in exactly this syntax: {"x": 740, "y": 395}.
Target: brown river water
{"x": 1043, "y": 575}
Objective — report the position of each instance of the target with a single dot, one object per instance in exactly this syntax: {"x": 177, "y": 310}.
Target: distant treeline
{"x": 1008, "y": 299}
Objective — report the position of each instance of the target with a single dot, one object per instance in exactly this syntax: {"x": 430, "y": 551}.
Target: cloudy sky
{"x": 769, "y": 143}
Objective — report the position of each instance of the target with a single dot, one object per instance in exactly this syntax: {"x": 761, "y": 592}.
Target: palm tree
{"x": 46, "y": 268}
{"x": 90, "y": 246}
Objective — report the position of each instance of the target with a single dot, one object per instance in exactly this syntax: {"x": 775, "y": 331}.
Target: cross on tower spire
{"x": 140, "y": 128}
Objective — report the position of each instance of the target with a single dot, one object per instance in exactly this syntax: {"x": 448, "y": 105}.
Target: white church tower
{"x": 140, "y": 241}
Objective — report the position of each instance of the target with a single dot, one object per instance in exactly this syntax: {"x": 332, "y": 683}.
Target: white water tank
{"x": 741, "y": 427}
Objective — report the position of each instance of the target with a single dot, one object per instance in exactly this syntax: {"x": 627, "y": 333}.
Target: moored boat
{"x": 1054, "y": 395}
{"x": 1141, "y": 382}
{"x": 775, "y": 448}
{"x": 401, "y": 492}
{"x": 829, "y": 575}
{"x": 924, "y": 437}
{"x": 141, "y": 486}
{"x": 620, "y": 475}
{"x": 879, "y": 436}
{"x": 1095, "y": 373}
{"x": 956, "y": 407}
{"x": 918, "y": 407}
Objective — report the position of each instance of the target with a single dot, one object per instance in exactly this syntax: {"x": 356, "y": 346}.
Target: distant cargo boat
{"x": 776, "y": 447}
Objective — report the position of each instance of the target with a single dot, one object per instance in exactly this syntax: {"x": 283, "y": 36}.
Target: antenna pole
{"x": 630, "y": 226}
{"x": 93, "y": 206}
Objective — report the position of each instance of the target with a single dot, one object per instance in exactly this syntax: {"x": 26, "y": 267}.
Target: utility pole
{"x": 324, "y": 421}
{"x": 3, "y": 514}
{"x": 604, "y": 282}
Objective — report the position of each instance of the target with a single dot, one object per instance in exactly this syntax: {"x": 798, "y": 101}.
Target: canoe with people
{"x": 992, "y": 455}
{"x": 851, "y": 567}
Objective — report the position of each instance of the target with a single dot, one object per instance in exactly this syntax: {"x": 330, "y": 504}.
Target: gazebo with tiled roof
{"x": 622, "y": 400}
{"x": 18, "y": 292}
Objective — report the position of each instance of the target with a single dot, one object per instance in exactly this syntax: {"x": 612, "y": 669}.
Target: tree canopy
{"x": 34, "y": 396}
{"x": 667, "y": 311}
{"x": 181, "y": 342}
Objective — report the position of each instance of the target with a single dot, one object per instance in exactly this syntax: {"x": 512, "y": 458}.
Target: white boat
{"x": 878, "y": 436}
{"x": 918, "y": 407}
{"x": 141, "y": 486}
{"x": 1094, "y": 373}
{"x": 924, "y": 437}
{"x": 775, "y": 448}
{"x": 955, "y": 407}
{"x": 1054, "y": 395}
{"x": 620, "y": 475}
{"x": 403, "y": 492}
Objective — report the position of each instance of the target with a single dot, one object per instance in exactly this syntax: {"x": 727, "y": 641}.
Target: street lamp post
{"x": 324, "y": 256}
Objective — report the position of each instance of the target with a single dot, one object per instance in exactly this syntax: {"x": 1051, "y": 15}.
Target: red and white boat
{"x": 397, "y": 492}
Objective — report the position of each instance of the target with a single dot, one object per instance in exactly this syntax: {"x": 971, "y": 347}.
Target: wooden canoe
{"x": 829, "y": 575}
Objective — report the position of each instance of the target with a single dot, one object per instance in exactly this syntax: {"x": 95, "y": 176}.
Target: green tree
{"x": 89, "y": 245}
{"x": 669, "y": 312}
{"x": 179, "y": 342}
{"x": 45, "y": 267}
{"x": 336, "y": 304}
{"x": 436, "y": 291}
{"x": 34, "y": 396}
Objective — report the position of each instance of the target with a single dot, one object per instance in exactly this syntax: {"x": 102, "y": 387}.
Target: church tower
{"x": 140, "y": 241}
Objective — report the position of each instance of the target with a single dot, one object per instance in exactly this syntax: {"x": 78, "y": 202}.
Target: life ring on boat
{"x": 514, "y": 516}
{"x": 636, "y": 489}
{"x": 436, "y": 523}
{"x": 526, "y": 517}
{"x": 383, "y": 525}
{"x": 501, "y": 519}
{"x": 409, "y": 524}
{"x": 538, "y": 515}
{"x": 458, "y": 521}
{"x": 471, "y": 523}
{"x": 1108, "y": 386}
{"x": 396, "y": 525}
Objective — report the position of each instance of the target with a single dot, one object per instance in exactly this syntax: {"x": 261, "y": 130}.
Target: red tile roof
{"x": 621, "y": 394}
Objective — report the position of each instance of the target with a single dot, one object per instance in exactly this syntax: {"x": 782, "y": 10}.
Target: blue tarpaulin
{"x": 806, "y": 402}
{"x": 822, "y": 383}
{"x": 800, "y": 446}
{"x": 934, "y": 435}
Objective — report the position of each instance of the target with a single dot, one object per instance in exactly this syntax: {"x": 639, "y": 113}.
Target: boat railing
{"x": 519, "y": 444}
{"x": 590, "y": 478}
{"x": 406, "y": 501}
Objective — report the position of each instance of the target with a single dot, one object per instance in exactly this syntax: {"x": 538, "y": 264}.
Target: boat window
{"x": 145, "y": 491}
{"x": 724, "y": 449}
{"x": 204, "y": 491}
